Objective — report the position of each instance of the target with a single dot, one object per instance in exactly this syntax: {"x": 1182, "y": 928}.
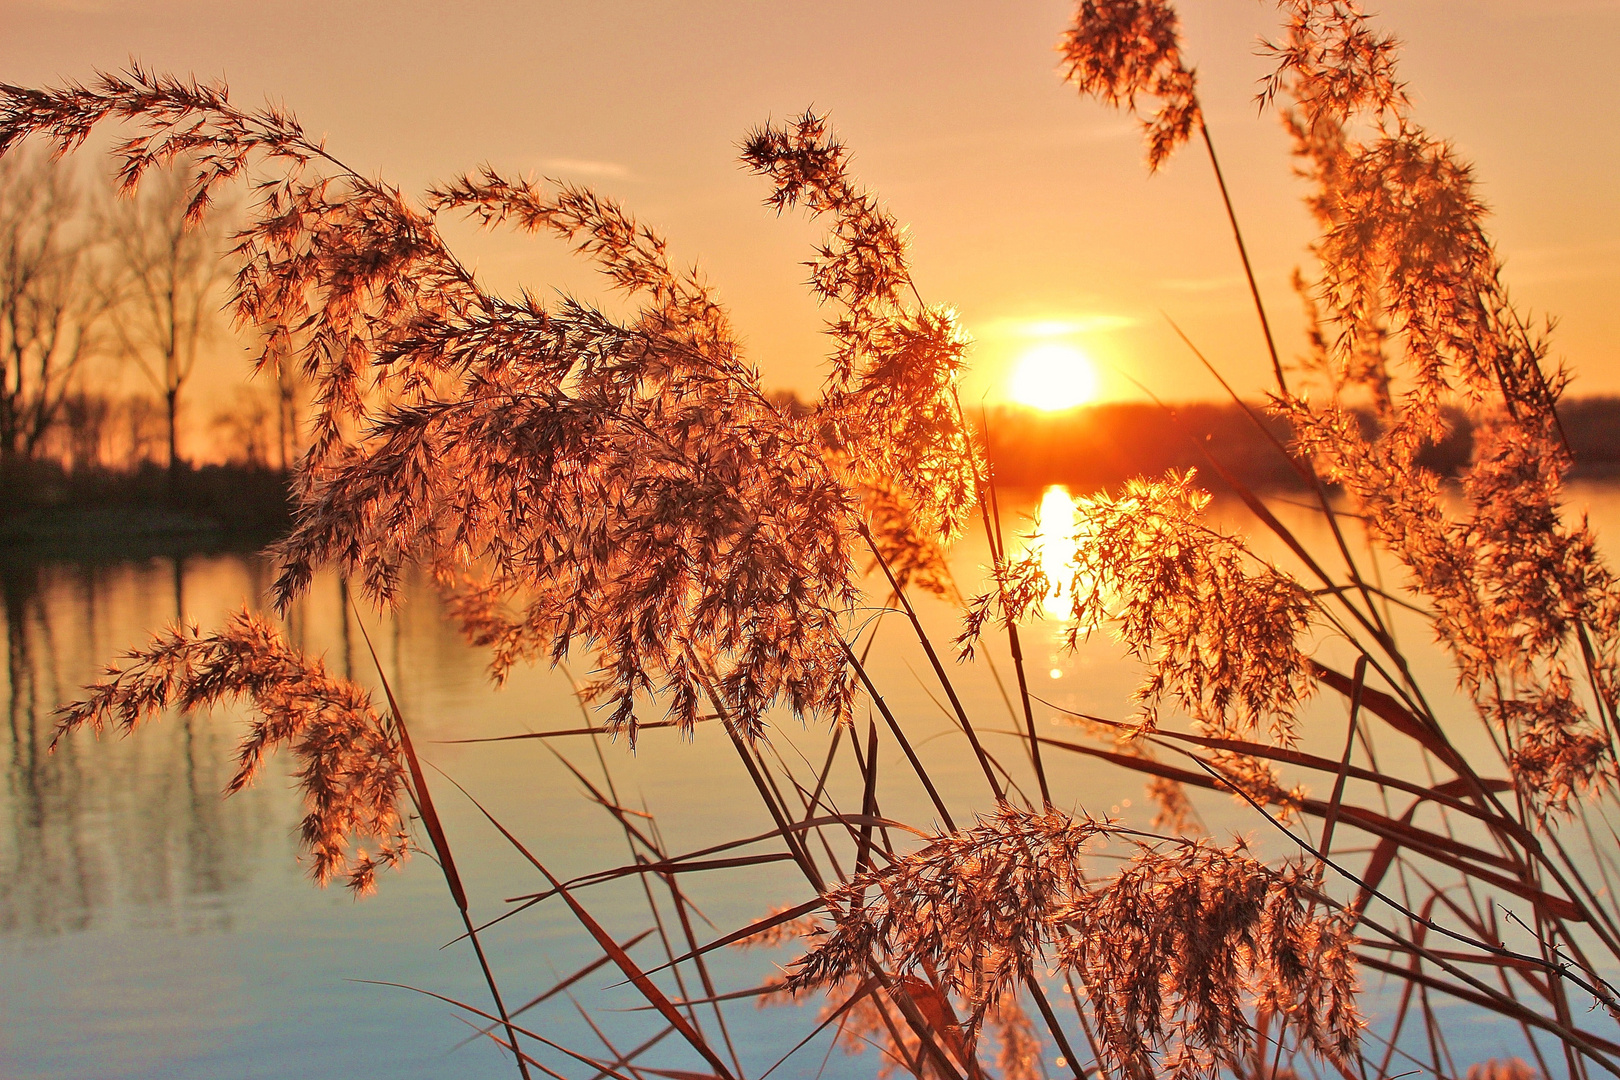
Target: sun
{"x": 1052, "y": 376}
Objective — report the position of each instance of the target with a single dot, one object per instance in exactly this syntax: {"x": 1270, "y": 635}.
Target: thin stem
{"x": 1243, "y": 253}
{"x": 939, "y": 668}
{"x": 441, "y": 845}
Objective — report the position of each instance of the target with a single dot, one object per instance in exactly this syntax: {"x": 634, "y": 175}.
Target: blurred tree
{"x": 290, "y": 390}
{"x": 51, "y": 298}
{"x": 246, "y": 426}
{"x": 168, "y": 279}
{"x": 143, "y": 433}
{"x": 85, "y": 423}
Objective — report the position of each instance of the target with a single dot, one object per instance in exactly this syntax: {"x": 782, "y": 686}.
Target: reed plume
{"x": 1122, "y": 50}
{"x": 1521, "y": 598}
{"x": 349, "y": 766}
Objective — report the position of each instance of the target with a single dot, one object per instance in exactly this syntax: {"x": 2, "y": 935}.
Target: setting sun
{"x": 1053, "y": 376}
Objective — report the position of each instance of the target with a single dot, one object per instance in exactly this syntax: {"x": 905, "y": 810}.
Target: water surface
{"x": 149, "y": 928}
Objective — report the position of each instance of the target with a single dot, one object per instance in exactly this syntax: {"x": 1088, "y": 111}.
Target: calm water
{"x": 150, "y": 929}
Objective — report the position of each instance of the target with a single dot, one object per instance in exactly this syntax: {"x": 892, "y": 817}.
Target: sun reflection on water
{"x": 1055, "y": 542}
{"x": 1054, "y": 539}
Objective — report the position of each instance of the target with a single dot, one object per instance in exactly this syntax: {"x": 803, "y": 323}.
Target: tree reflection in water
{"x": 107, "y": 825}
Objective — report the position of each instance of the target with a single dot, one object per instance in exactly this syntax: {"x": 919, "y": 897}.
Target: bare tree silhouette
{"x": 49, "y": 299}
{"x": 167, "y": 288}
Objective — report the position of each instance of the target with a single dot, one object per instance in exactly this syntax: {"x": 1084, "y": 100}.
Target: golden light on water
{"x": 1054, "y": 542}
{"x": 1054, "y": 539}
{"x": 1053, "y": 375}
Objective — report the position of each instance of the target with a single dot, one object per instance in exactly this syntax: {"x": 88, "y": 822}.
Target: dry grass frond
{"x": 781, "y": 933}
{"x": 1356, "y": 357}
{"x": 972, "y": 905}
{"x": 1413, "y": 286}
{"x": 912, "y": 556}
{"x": 1175, "y": 814}
{"x": 862, "y": 266}
{"x": 1219, "y": 639}
{"x": 1174, "y": 947}
{"x": 1018, "y": 1045}
{"x": 1334, "y": 64}
{"x": 349, "y": 761}
{"x": 1119, "y": 50}
{"x": 890, "y": 400}
{"x": 1502, "y": 1069}
{"x": 627, "y": 488}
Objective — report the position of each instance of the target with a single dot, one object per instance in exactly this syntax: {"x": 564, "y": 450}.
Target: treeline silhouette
{"x": 148, "y": 508}
{"x": 73, "y": 494}
{"x": 1102, "y": 446}
{"x": 100, "y": 479}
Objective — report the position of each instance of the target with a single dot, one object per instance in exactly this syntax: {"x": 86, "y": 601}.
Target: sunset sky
{"x": 1030, "y": 208}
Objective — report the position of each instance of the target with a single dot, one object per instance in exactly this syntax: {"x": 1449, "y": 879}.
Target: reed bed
{"x": 623, "y": 495}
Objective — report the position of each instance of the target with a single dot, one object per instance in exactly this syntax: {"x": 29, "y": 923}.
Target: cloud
{"x": 610, "y": 170}
{"x": 1199, "y": 285}
{"x": 1057, "y": 326}
{"x": 1556, "y": 263}
{"x": 1544, "y": 10}
{"x": 74, "y": 7}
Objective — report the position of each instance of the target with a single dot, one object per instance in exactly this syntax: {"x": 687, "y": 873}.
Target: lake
{"x": 149, "y": 928}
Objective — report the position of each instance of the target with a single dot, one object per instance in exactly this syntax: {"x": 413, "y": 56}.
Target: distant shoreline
{"x": 46, "y": 510}
{"x": 1101, "y": 446}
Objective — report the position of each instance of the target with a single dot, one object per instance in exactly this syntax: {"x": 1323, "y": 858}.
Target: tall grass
{"x": 623, "y": 492}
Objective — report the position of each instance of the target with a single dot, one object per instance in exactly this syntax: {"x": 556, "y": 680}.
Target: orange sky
{"x": 1026, "y": 203}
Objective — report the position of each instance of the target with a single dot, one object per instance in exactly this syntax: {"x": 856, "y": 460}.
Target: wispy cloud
{"x": 1199, "y": 285}
{"x": 1023, "y": 137}
{"x": 610, "y": 170}
{"x": 1518, "y": 11}
{"x": 73, "y": 7}
{"x": 1057, "y": 326}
